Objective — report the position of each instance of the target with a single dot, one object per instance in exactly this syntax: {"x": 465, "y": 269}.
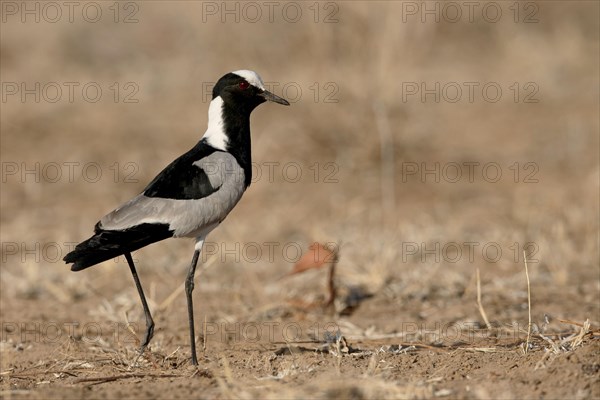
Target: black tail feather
{"x": 105, "y": 244}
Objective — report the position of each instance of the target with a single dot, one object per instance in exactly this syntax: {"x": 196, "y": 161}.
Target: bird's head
{"x": 244, "y": 90}
{"x": 235, "y": 95}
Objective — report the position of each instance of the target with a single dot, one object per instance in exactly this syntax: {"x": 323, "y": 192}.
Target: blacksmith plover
{"x": 191, "y": 196}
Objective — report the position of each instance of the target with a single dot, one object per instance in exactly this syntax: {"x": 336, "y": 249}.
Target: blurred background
{"x": 417, "y": 131}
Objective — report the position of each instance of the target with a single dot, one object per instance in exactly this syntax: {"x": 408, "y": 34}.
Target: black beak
{"x": 265, "y": 94}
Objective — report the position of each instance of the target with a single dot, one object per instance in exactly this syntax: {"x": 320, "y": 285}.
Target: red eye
{"x": 244, "y": 85}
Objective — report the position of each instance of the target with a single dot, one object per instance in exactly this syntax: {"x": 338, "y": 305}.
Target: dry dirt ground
{"x": 436, "y": 153}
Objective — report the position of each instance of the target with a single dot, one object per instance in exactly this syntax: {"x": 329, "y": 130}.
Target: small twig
{"x": 528, "y": 303}
{"x": 105, "y": 379}
{"x": 173, "y": 353}
{"x": 331, "y": 279}
{"x": 481, "y": 310}
{"x": 568, "y": 321}
{"x": 591, "y": 330}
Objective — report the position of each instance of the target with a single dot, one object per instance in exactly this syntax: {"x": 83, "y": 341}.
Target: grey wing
{"x": 137, "y": 211}
{"x": 186, "y": 217}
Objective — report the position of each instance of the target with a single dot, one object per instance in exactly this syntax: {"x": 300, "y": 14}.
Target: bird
{"x": 188, "y": 198}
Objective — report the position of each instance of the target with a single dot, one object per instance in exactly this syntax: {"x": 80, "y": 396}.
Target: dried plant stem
{"x": 388, "y": 183}
{"x": 331, "y": 280}
{"x": 105, "y": 379}
{"x": 528, "y": 303}
{"x": 481, "y": 310}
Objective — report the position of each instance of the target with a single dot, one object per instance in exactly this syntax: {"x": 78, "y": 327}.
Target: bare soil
{"x": 432, "y": 296}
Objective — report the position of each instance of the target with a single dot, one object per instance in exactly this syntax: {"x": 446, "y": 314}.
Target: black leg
{"x": 189, "y": 287}
{"x": 149, "y": 320}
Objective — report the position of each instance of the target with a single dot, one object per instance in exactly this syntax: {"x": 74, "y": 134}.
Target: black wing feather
{"x": 105, "y": 245}
{"x": 181, "y": 180}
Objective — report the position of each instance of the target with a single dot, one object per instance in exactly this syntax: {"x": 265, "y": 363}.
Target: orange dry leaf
{"x": 316, "y": 257}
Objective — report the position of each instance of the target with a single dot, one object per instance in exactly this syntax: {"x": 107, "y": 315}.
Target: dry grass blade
{"x": 481, "y": 310}
{"x": 480, "y": 349}
{"x": 577, "y": 340}
{"x": 167, "y": 302}
{"x": 179, "y": 289}
{"x": 386, "y": 143}
{"x": 528, "y": 303}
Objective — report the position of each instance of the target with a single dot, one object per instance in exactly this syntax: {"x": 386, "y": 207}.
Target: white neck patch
{"x": 252, "y": 78}
{"x": 215, "y": 133}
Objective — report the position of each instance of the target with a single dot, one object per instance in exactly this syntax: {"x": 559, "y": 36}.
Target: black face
{"x": 237, "y": 92}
